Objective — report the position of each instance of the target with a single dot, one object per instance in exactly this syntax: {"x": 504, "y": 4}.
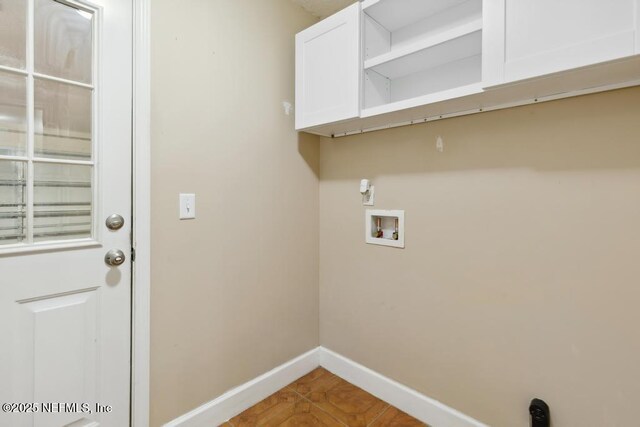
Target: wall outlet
{"x": 368, "y": 199}
{"x": 187, "y": 206}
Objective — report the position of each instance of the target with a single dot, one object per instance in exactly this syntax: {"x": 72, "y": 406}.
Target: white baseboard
{"x": 245, "y": 396}
{"x": 235, "y": 401}
{"x": 402, "y": 397}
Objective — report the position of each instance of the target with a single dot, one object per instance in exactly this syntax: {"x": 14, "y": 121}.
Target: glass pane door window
{"x": 47, "y": 122}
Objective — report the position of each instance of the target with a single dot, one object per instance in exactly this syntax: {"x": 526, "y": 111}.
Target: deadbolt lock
{"x": 114, "y": 222}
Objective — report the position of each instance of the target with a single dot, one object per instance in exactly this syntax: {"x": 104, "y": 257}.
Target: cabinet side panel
{"x": 493, "y": 42}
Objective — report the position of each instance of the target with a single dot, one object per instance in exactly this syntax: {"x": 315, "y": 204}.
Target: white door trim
{"x": 141, "y": 213}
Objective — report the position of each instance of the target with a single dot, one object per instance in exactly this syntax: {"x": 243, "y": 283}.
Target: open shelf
{"x": 434, "y": 56}
{"x": 420, "y": 50}
{"x": 421, "y": 46}
{"x": 440, "y": 69}
{"x": 397, "y": 14}
{"x": 384, "y": 40}
{"x": 428, "y": 99}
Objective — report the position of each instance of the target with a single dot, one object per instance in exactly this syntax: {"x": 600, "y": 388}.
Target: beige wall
{"x": 234, "y": 292}
{"x": 520, "y": 276}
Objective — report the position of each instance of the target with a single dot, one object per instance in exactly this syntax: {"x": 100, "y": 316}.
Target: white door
{"x": 65, "y": 166}
{"x": 328, "y": 68}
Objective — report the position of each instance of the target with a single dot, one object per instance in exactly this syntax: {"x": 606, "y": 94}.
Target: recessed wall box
{"x": 384, "y": 228}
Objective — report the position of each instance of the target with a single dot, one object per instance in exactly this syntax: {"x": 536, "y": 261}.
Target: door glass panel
{"x": 63, "y": 38}
{"x": 13, "y": 114}
{"x": 62, "y": 201}
{"x": 13, "y": 33}
{"x": 13, "y": 199}
{"x": 46, "y": 130}
{"x": 62, "y": 120}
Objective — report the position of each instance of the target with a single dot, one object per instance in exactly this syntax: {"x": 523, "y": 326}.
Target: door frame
{"x": 141, "y": 238}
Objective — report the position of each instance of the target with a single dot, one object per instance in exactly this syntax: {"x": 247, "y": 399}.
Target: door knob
{"x": 114, "y": 257}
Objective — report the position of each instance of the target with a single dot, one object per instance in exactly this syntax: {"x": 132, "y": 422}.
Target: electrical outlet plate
{"x": 388, "y": 220}
{"x": 369, "y": 198}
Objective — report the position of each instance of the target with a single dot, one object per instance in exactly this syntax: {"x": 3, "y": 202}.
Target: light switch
{"x": 187, "y": 206}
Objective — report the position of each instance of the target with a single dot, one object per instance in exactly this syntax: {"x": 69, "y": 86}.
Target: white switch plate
{"x": 187, "y": 206}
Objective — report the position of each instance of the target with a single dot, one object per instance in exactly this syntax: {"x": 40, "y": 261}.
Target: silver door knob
{"x": 114, "y": 257}
{"x": 114, "y": 222}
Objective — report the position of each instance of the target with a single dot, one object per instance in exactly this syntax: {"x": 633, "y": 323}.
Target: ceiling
{"x": 323, "y": 8}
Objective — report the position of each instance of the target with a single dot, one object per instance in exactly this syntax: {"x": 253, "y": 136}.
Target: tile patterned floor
{"x": 321, "y": 398}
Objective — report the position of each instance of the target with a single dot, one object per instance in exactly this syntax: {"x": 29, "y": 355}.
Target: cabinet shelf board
{"x": 424, "y": 44}
{"x": 431, "y": 98}
{"x": 448, "y": 51}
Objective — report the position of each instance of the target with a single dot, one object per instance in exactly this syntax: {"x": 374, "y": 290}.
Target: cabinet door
{"x": 328, "y": 67}
{"x": 534, "y": 38}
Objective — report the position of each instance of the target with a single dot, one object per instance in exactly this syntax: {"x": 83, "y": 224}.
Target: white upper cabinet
{"x": 533, "y": 38}
{"x": 385, "y": 63}
{"x": 328, "y": 68}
